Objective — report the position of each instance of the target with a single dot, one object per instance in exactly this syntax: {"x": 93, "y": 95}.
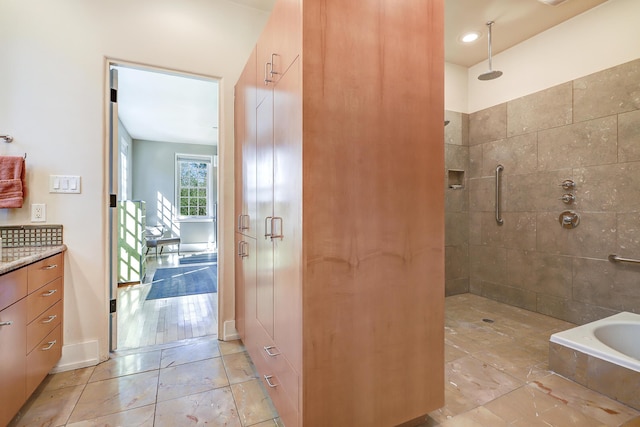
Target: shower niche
{"x": 455, "y": 179}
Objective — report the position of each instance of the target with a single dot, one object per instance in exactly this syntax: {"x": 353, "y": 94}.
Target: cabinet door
{"x": 245, "y": 285}
{"x": 245, "y": 149}
{"x": 287, "y": 140}
{"x": 279, "y": 44}
{"x": 13, "y": 362}
{"x": 264, "y": 154}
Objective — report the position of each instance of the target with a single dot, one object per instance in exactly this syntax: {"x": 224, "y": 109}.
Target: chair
{"x": 156, "y": 236}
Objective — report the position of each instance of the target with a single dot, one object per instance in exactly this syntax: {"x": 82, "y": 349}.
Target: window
{"x": 193, "y": 186}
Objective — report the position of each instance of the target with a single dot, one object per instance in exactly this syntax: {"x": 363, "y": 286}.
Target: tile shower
{"x": 586, "y": 130}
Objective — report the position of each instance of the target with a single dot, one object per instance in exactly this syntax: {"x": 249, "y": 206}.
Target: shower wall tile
{"x": 475, "y": 228}
{"x": 456, "y": 200}
{"x": 570, "y": 310}
{"x": 581, "y": 144}
{"x": 629, "y": 136}
{"x": 518, "y": 230}
{"x": 603, "y": 283}
{"x": 487, "y": 125}
{"x": 608, "y": 188}
{"x": 612, "y": 91}
{"x": 594, "y": 237}
{"x": 628, "y": 228}
{"x": 540, "y": 272}
{"x": 546, "y": 109}
{"x": 475, "y": 161}
{"x": 456, "y": 157}
{"x": 506, "y": 294}
{"x": 453, "y": 131}
{"x": 456, "y": 227}
{"x": 482, "y": 194}
{"x": 488, "y": 263}
{"x": 456, "y": 262}
{"x": 518, "y": 155}
{"x": 457, "y": 287}
{"x": 539, "y": 191}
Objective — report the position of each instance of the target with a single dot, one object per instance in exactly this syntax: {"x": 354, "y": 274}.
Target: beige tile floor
{"x": 496, "y": 375}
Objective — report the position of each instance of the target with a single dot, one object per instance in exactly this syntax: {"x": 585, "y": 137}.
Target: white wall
{"x": 603, "y": 37}
{"x": 52, "y": 100}
{"x": 455, "y": 87}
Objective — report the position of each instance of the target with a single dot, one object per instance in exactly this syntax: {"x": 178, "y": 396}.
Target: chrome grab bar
{"x": 499, "y": 219}
{"x": 616, "y": 258}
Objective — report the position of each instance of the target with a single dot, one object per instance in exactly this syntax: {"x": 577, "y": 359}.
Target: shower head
{"x": 491, "y": 74}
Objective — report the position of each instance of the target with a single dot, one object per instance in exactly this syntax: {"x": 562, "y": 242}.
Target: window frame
{"x": 198, "y": 158}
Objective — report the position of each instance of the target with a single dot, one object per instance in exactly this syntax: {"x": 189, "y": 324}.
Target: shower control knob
{"x": 567, "y": 184}
{"x": 568, "y": 198}
{"x": 569, "y": 219}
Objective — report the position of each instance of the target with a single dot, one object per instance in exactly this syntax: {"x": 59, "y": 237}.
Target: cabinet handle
{"x": 273, "y": 62}
{"x": 51, "y": 344}
{"x": 7, "y": 323}
{"x": 51, "y": 292}
{"x": 273, "y": 227}
{"x": 268, "y": 67}
{"x": 267, "y": 378}
{"x": 50, "y": 319}
{"x": 239, "y": 226}
{"x": 241, "y": 222}
{"x": 267, "y": 350}
{"x": 242, "y": 252}
{"x": 268, "y": 220}
{"x": 50, "y": 267}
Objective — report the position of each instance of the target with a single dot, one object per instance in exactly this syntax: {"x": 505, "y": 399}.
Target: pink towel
{"x": 12, "y": 185}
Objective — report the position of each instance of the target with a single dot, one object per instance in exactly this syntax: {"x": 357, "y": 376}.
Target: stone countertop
{"x": 14, "y": 258}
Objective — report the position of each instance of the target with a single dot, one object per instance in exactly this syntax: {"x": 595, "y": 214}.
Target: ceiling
{"x": 165, "y": 107}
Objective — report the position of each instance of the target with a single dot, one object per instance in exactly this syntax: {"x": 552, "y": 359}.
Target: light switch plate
{"x": 64, "y": 184}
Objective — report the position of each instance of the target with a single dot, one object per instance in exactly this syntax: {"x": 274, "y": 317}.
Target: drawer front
{"x": 275, "y": 388}
{"x": 42, "y": 325}
{"x": 43, "y": 358}
{"x": 264, "y": 350}
{"x": 44, "y": 271}
{"x": 43, "y": 298}
{"x": 13, "y": 286}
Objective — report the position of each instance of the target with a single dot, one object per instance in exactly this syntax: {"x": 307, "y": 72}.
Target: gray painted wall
{"x": 153, "y": 181}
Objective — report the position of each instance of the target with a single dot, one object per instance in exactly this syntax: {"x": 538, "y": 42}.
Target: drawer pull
{"x": 7, "y": 323}
{"x": 267, "y": 378}
{"x": 51, "y": 344}
{"x": 51, "y": 292}
{"x": 267, "y": 350}
{"x": 50, "y": 267}
{"x": 50, "y": 319}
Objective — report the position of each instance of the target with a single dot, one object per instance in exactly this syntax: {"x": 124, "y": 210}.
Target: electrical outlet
{"x": 38, "y": 212}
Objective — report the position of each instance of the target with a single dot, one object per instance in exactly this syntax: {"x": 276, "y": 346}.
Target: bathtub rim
{"x": 583, "y": 339}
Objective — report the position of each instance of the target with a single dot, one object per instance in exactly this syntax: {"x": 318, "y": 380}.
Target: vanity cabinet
{"x": 31, "y": 310}
{"x": 340, "y": 297}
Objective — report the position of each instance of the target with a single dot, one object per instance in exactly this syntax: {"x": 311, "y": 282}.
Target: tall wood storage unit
{"x": 340, "y": 208}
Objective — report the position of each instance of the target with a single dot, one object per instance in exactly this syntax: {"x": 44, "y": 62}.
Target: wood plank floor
{"x": 143, "y": 323}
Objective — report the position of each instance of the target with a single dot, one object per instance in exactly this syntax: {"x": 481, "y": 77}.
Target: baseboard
{"x": 229, "y": 331}
{"x": 76, "y": 356}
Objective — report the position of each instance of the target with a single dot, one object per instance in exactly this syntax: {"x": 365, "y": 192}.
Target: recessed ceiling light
{"x": 470, "y": 37}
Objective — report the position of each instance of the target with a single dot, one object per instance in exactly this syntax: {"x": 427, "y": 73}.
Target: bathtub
{"x": 603, "y": 355}
{"x": 615, "y": 339}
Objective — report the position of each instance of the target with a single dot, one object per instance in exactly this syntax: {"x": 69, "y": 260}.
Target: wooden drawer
{"x": 43, "y": 298}
{"x": 44, "y": 271}
{"x": 276, "y": 389}
{"x": 43, "y": 358}
{"x": 42, "y": 325}
{"x": 12, "y": 360}
{"x": 13, "y": 286}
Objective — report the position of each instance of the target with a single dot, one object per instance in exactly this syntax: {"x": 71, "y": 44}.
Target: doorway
{"x": 164, "y": 186}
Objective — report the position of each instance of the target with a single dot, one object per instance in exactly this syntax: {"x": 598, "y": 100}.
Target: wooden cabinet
{"x": 31, "y": 310}
{"x": 344, "y": 316}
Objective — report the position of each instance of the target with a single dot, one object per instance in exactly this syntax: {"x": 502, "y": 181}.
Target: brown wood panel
{"x": 373, "y": 211}
{"x": 13, "y": 366}
{"x": 43, "y": 358}
{"x": 13, "y": 286}
{"x": 43, "y": 325}
{"x": 287, "y": 260}
{"x": 264, "y": 161}
{"x": 44, "y": 271}
{"x": 43, "y": 298}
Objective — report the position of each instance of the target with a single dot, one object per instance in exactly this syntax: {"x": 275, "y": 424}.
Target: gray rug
{"x": 181, "y": 281}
